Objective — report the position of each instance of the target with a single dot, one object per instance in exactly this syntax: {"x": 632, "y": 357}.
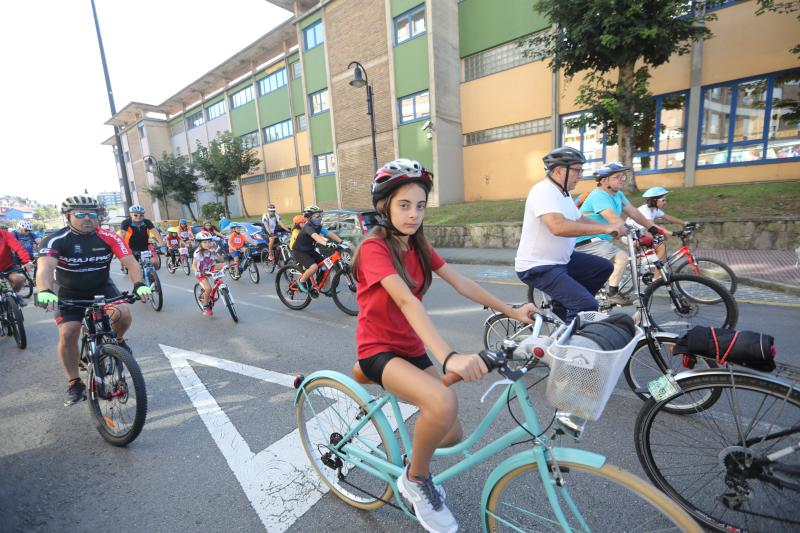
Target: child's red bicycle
{"x": 333, "y": 279}
{"x": 218, "y": 289}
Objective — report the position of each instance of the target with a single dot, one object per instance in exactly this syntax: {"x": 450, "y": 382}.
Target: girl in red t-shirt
{"x": 394, "y": 268}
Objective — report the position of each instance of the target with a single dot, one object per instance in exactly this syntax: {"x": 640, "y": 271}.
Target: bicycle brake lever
{"x": 495, "y": 384}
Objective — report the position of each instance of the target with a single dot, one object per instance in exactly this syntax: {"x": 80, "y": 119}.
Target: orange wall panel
{"x": 283, "y": 193}
{"x": 279, "y": 155}
{"x": 747, "y": 174}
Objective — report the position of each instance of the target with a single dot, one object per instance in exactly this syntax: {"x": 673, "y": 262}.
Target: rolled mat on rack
{"x": 746, "y": 348}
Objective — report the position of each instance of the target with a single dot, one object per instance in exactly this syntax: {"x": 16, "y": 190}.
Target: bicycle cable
{"x": 520, "y": 424}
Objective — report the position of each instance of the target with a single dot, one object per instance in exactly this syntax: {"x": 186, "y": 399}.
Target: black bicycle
{"x": 115, "y": 384}
{"x": 246, "y": 263}
{"x": 281, "y": 255}
{"x": 11, "y": 319}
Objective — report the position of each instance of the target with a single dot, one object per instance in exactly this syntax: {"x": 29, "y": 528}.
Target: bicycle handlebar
{"x": 492, "y": 360}
{"x": 125, "y": 296}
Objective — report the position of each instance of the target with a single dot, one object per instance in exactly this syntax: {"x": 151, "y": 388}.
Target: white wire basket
{"x": 581, "y": 379}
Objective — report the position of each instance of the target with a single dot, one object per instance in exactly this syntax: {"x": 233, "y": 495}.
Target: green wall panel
{"x": 298, "y": 97}
{"x": 176, "y": 120}
{"x": 274, "y": 106}
{"x": 294, "y": 57}
{"x": 411, "y": 66}
{"x": 309, "y": 20}
{"x": 401, "y": 6}
{"x": 212, "y": 101}
{"x": 243, "y": 119}
{"x": 325, "y": 188}
{"x": 314, "y": 69}
{"x": 482, "y": 24}
{"x": 239, "y": 86}
{"x": 414, "y": 144}
{"x": 321, "y": 137}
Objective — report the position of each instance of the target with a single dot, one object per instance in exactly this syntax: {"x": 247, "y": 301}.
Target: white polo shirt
{"x": 537, "y": 245}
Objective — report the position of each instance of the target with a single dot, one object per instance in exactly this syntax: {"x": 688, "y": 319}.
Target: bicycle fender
{"x": 530, "y": 456}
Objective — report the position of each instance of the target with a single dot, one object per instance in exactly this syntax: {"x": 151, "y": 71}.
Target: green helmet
{"x": 310, "y": 210}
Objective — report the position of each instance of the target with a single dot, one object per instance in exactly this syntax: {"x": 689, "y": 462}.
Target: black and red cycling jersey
{"x": 137, "y": 237}
{"x": 83, "y": 260}
{"x": 8, "y": 244}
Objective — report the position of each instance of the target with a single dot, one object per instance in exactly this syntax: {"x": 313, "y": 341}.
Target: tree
{"x": 600, "y": 38}
{"x": 180, "y": 181}
{"x": 790, "y": 105}
{"x": 46, "y": 212}
{"x": 223, "y": 162}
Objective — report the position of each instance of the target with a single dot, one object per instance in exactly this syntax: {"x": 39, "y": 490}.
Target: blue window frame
{"x": 314, "y": 35}
{"x": 318, "y": 102}
{"x": 272, "y": 82}
{"x": 660, "y": 146}
{"x": 250, "y": 140}
{"x": 278, "y": 131}
{"x": 409, "y": 25}
{"x": 591, "y": 140}
{"x": 325, "y": 164}
{"x": 240, "y": 98}
{"x": 742, "y": 122}
{"x": 216, "y": 110}
{"x": 194, "y": 120}
{"x": 414, "y": 107}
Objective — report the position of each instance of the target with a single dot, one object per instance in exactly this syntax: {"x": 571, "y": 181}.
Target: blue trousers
{"x": 572, "y": 285}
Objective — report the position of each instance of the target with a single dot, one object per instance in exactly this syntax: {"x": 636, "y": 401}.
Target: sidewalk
{"x": 769, "y": 269}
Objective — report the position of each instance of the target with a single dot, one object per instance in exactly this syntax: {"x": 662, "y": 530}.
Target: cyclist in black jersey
{"x": 79, "y": 256}
{"x": 136, "y": 232}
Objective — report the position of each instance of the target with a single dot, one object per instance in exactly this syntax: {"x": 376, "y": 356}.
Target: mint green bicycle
{"x": 350, "y": 439}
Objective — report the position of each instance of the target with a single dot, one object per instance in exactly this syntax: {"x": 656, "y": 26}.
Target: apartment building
{"x": 452, "y": 89}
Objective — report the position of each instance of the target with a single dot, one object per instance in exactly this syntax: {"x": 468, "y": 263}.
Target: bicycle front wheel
{"x": 287, "y": 289}
{"x": 30, "y": 284}
{"x": 589, "y": 499}
{"x": 710, "y": 268}
{"x": 186, "y": 266}
{"x": 735, "y": 465}
{"x": 500, "y": 327}
{"x": 343, "y": 289}
{"x": 689, "y": 300}
{"x": 172, "y": 266}
{"x": 326, "y": 411}
{"x": 252, "y": 269}
{"x": 269, "y": 266}
{"x": 229, "y": 303}
{"x": 157, "y": 298}
{"x": 119, "y": 404}
{"x": 15, "y": 323}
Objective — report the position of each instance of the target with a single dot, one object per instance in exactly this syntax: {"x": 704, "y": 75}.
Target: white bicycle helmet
{"x": 137, "y": 209}
{"x": 24, "y": 224}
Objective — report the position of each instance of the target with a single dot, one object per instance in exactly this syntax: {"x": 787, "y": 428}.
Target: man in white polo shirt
{"x": 546, "y": 257}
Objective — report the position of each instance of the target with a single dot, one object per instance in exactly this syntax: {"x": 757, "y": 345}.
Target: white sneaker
{"x": 427, "y": 502}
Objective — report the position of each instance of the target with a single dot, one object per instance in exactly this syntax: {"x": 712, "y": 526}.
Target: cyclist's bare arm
{"x": 335, "y": 237}
{"x": 46, "y": 268}
{"x": 563, "y": 227}
{"x": 635, "y": 214}
{"x": 672, "y": 220}
{"x": 134, "y": 270}
{"x": 319, "y": 238}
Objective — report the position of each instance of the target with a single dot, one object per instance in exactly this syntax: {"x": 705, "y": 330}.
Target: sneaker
{"x": 271, "y": 258}
{"x": 428, "y": 506}
{"x": 302, "y": 286}
{"x": 439, "y": 488}
{"x": 619, "y": 299}
{"x": 313, "y": 291}
{"x": 207, "y": 311}
{"x": 76, "y": 392}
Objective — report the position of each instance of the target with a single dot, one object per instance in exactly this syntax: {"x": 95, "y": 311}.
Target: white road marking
{"x": 458, "y": 310}
{"x": 279, "y": 482}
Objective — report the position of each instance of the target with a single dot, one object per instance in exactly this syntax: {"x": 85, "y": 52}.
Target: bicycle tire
{"x": 499, "y": 327}
{"x": 119, "y": 396}
{"x": 715, "y": 432}
{"x": 642, "y": 367}
{"x": 269, "y": 266}
{"x": 187, "y": 268}
{"x": 717, "y": 306}
{"x": 612, "y": 486}
{"x": 235, "y": 273}
{"x": 16, "y": 323}
{"x": 538, "y": 298}
{"x": 316, "y": 438}
{"x": 229, "y": 303}
{"x": 710, "y": 268}
{"x": 198, "y": 290}
{"x": 30, "y": 284}
{"x": 293, "y": 299}
{"x": 171, "y": 266}
{"x": 252, "y": 269}
{"x": 345, "y": 297}
{"x": 157, "y": 298}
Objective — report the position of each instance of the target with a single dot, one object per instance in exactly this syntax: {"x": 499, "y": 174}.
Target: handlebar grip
{"x": 614, "y": 234}
{"x": 489, "y": 359}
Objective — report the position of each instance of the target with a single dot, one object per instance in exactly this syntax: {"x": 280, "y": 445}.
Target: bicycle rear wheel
{"x": 343, "y": 289}
{"x": 229, "y": 303}
{"x": 287, "y": 289}
{"x": 119, "y": 407}
{"x": 688, "y": 301}
{"x": 710, "y": 268}
{"x": 326, "y": 410}
{"x": 715, "y": 463}
{"x": 157, "y": 298}
{"x": 597, "y": 493}
{"x": 30, "y": 284}
{"x": 15, "y": 323}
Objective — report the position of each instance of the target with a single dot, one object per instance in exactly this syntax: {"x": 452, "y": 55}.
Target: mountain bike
{"x": 116, "y": 388}
{"x": 354, "y": 449}
{"x": 281, "y": 257}
{"x": 333, "y": 279}
{"x": 30, "y": 280}
{"x": 179, "y": 258}
{"x": 150, "y": 278}
{"x": 218, "y": 289}
{"x": 246, "y": 263}
{"x": 683, "y": 260}
{"x": 11, "y": 318}
{"x": 734, "y": 466}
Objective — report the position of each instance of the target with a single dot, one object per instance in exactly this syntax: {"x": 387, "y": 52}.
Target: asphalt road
{"x": 217, "y": 452}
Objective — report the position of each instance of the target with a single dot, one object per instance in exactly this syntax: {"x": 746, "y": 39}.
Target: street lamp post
{"x": 151, "y": 164}
{"x": 360, "y": 80}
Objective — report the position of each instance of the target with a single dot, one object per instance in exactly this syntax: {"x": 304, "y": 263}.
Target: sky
{"x": 52, "y": 90}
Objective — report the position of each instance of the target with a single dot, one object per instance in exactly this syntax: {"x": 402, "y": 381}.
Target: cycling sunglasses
{"x": 84, "y": 214}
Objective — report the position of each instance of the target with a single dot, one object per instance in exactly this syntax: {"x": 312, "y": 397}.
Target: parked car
{"x": 254, "y": 231}
{"x": 352, "y": 226}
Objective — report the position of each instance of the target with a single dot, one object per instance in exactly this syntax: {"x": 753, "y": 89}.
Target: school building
{"x": 452, "y": 89}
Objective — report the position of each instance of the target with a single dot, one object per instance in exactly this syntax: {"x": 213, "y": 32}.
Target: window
{"x": 216, "y": 110}
{"x": 319, "y": 102}
{"x": 414, "y": 107}
{"x": 250, "y": 140}
{"x": 302, "y": 122}
{"x": 314, "y": 35}
{"x": 141, "y": 131}
{"x": 326, "y": 164}
{"x": 239, "y": 98}
{"x": 272, "y": 82}
{"x": 531, "y": 127}
{"x": 249, "y": 180}
{"x": 278, "y": 131}
{"x": 409, "y": 24}
{"x": 591, "y": 140}
{"x": 194, "y": 120}
{"x": 660, "y": 142}
{"x": 746, "y": 121}
{"x": 297, "y": 71}
{"x": 282, "y": 174}
{"x": 500, "y": 58}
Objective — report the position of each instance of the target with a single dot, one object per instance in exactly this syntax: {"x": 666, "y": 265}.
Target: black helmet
{"x": 79, "y": 202}
{"x": 563, "y": 156}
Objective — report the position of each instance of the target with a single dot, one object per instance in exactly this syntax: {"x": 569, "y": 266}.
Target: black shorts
{"x": 75, "y": 314}
{"x": 306, "y": 259}
{"x": 372, "y": 367}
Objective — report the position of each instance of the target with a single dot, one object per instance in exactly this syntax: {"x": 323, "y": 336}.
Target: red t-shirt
{"x": 382, "y": 327}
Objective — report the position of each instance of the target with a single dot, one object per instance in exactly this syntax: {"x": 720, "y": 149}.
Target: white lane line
{"x": 457, "y": 310}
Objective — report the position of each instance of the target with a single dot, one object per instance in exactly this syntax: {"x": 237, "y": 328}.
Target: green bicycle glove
{"x": 141, "y": 290}
{"x": 46, "y": 297}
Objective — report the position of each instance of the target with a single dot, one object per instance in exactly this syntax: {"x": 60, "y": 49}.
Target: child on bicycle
{"x": 173, "y": 241}
{"x": 236, "y": 242}
{"x": 394, "y": 268}
{"x": 304, "y": 249}
{"x": 298, "y": 223}
{"x": 205, "y": 261}
{"x": 653, "y": 208}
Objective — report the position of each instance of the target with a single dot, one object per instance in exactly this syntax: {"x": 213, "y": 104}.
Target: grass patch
{"x": 756, "y": 199}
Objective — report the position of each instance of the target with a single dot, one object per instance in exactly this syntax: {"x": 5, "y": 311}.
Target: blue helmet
{"x": 182, "y": 222}
{"x": 609, "y": 169}
{"x": 655, "y": 192}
